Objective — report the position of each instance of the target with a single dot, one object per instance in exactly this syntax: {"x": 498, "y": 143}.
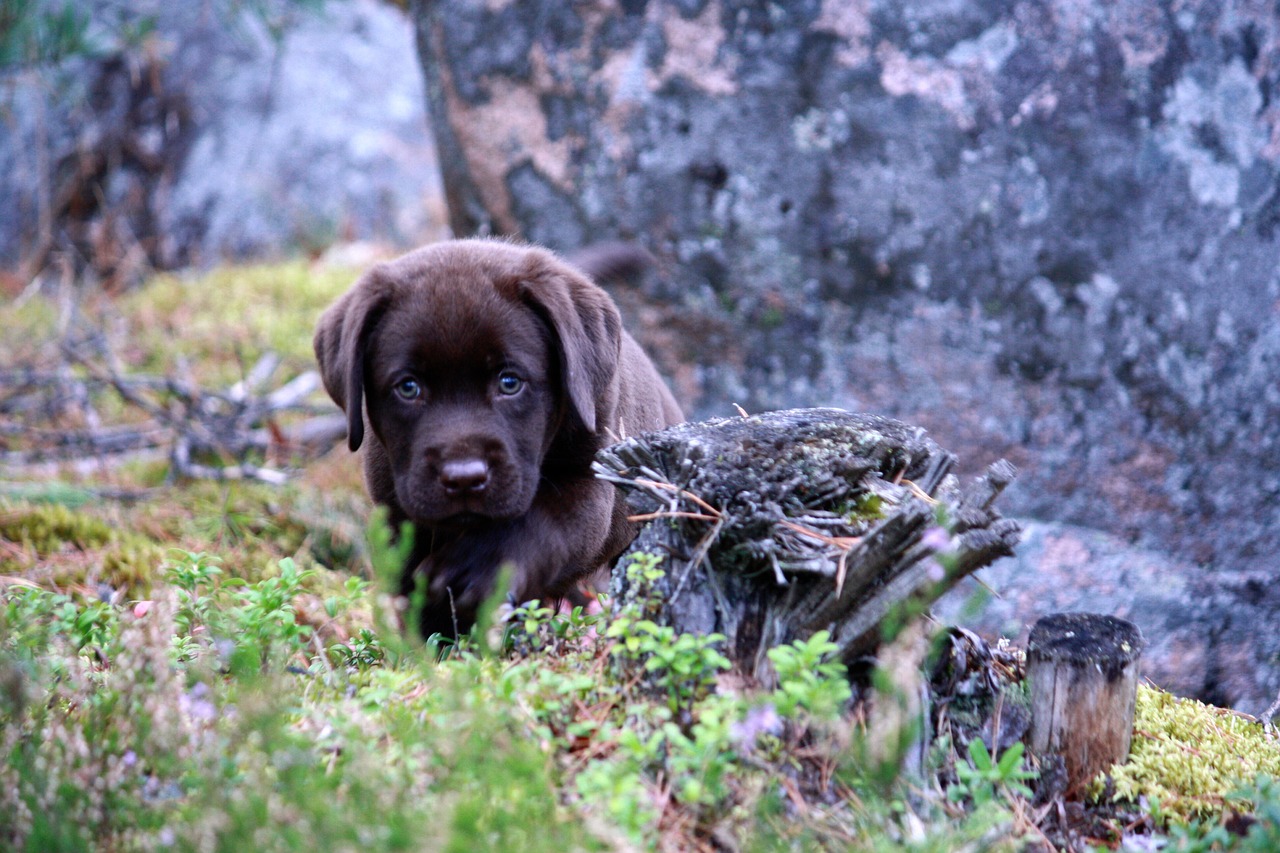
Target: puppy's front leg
{"x": 565, "y": 539}
{"x": 436, "y": 614}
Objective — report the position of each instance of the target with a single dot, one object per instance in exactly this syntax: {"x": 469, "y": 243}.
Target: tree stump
{"x": 778, "y": 525}
{"x": 1083, "y": 671}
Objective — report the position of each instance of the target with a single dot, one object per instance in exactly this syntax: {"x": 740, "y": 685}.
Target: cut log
{"x": 1083, "y": 671}
{"x": 778, "y": 525}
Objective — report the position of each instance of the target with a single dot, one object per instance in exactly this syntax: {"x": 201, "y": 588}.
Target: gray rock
{"x": 232, "y": 130}
{"x": 322, "y": 137}
{"x": 1043, "y": 232}
{"x": 1200, "y": 628}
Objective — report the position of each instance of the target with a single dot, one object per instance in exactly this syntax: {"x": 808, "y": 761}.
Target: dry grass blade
{"x": 658, "y": 484}
{"x": 844, "y": 543}
{"x": 650, "y": 516}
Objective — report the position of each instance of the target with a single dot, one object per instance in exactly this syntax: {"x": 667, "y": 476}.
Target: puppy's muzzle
{"x": 463, "y": 477}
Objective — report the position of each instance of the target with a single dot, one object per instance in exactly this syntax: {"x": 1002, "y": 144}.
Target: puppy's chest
{"x": 481, "y": 549}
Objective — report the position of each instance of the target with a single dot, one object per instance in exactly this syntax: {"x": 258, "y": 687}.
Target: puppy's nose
{"x": 459, "y": 476}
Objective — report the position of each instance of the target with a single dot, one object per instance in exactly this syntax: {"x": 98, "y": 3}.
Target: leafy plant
{"x": 810, "y": 679}
{"x": 265, "y": 617}
{"x": 983, "y": 779}
{"x": 193, "y": 576}
{"x": 683, "y": 666}
{"x": 531, "y": 628}
{"x": 360, "y": 652}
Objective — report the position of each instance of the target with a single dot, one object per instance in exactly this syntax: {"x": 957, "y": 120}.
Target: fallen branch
{"x": 205, "y": 433}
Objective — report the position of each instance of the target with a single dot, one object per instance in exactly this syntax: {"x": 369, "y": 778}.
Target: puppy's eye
{"x": 408, "y": 389}
{"x": 509, "y": 383}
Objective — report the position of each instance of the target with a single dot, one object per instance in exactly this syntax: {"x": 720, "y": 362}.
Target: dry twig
{"x": 53, "y": 415}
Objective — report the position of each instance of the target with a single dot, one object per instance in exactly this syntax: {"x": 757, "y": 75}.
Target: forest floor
{"x": 198, "y": 651}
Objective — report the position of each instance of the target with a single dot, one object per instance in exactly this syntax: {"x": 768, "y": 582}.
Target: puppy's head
{"x": 469, "y": 357}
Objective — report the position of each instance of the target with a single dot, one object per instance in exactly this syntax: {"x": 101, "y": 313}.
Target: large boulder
{"x": 1042, "y": 231}
{"x": 190, "y": 132}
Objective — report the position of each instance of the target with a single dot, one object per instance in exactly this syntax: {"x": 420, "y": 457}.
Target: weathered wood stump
{"x": 1083, "y": 671}
{"x": 777, "y": 525}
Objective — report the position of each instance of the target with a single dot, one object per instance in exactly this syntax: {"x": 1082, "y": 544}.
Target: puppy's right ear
{"x": 342, "y": 336}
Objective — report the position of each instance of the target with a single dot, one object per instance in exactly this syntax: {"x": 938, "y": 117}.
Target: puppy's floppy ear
{"x": 587, "y": 328}
{"x": 342, "y": 335}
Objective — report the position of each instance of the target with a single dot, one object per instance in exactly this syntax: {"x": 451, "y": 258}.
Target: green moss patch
{"x": 51, "y": 528}
{"x": 54, "y": 544}
{"x": 1193, "y": 758}
{"x": 221, "y": 322}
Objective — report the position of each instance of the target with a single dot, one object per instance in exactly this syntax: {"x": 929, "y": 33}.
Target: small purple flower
{"x": 760, "y": 720}
{"x": 936, "y": 539}
{"x": 196, "y": 706}
{"x": 225, "y": 649}
{"x": 130, "y": 758}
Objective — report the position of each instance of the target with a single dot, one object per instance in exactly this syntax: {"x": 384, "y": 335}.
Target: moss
{"x": 133, "y": 564}
{"x": 865, "y": 507}
{"x": 50, "y": 528}
{"x": 67, "y": 547}
{"x": 1193, "y": 758}
{"x": 221, "y": 322}
{"x": 126, "y": 546}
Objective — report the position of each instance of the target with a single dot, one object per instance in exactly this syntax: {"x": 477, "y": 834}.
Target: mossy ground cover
{"x": 195, "y": 665}
{"x": 1195, "y": 760}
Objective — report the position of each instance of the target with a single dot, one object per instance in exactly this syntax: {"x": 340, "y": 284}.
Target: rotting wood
{"x": 779, "y": 525}
{"x": 1269, "y": 715}
{"x": 1083, "y": 672}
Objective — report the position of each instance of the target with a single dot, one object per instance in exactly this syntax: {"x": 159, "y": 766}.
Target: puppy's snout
{"x": 464, "y": 476}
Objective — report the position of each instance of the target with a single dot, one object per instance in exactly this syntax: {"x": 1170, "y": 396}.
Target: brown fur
{"x": 489, "y": 477}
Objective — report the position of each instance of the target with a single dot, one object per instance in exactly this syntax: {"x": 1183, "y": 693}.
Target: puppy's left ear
{"x": 587, "y": 328}
{"x": 340, "y": 341}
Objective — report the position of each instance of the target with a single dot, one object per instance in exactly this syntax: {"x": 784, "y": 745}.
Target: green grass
{"x": 208, "y": 666}
{"x": 214, "y": 716}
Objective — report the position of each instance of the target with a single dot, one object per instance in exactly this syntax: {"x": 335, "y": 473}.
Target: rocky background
{"x": 155, "y": 135}
{"x": 1044, "y": 231}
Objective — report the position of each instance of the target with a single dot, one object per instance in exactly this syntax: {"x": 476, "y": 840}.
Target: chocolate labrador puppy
{"x": 481, "y": 377}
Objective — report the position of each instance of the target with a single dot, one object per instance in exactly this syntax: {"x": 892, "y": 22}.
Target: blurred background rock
{"x": 1045, "y": 231}
{"x": 150, "y": 135}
